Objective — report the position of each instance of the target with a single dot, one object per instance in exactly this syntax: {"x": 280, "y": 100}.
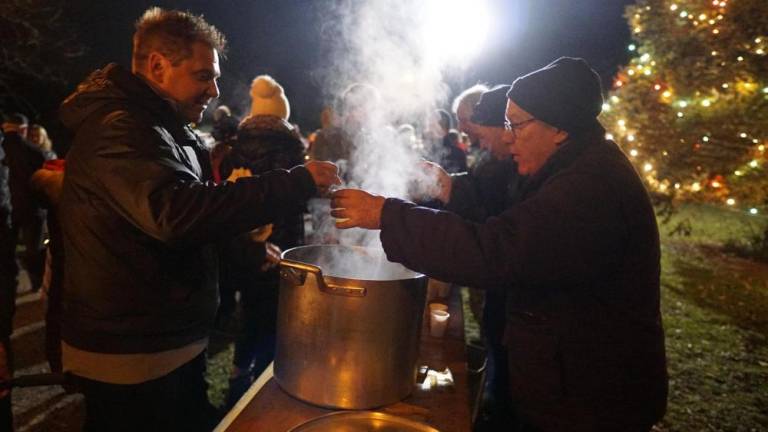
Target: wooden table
{"x": 266, "y": 407}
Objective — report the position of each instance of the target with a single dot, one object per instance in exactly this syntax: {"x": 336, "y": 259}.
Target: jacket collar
{"x": 561, "y": 159}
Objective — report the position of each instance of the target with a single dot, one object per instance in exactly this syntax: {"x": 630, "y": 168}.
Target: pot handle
{"x": 299, "y": 270}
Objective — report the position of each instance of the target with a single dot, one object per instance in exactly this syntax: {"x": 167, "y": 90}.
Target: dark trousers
{"x": 255, "y": 346}
{"x": 6, "y": 413}
{"x": 176, "y": 402}
{"x": 32, "y": 234}
{"x": 8, "y": 273}
{"x": 496, "y": 412}
{"x": 8, "y": 278}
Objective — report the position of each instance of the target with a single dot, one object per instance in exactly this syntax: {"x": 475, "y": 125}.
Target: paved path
{"x": 38, "y": 409}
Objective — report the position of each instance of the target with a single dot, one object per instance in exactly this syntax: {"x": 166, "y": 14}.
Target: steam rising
{"x": 386, "y": 44}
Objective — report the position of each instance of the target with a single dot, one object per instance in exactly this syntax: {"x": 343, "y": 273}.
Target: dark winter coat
{"x": 448, "y": 155}
{"x": 140, "y": 219}
{"x": 266, "y": 143}
{"x": 580, "y": 259}
{"x": 488, "y": 189}
{"x": 5, "y": 191}
{"x": 47, "y": 183}
{"x": 22, "y": 159}
{"x": 8, "y": 267}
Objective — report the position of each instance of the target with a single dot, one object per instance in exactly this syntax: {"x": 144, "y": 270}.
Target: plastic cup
{"x": 438, "y": 321}
{"x": 438, "y": 306}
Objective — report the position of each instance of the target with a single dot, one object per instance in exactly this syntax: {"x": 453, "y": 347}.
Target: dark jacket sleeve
{"x": 466, "y": 199}
{"x": 142, "y": 176}
{"x": 570, "y": 230}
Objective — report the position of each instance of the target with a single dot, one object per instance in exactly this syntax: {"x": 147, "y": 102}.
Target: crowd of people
{"x": 155, "y": 231}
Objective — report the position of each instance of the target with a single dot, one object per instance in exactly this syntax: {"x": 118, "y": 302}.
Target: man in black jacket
{"x": 578, "y": 258}
{"x": 141, "y": 223}
{"x": 489, "y": 188}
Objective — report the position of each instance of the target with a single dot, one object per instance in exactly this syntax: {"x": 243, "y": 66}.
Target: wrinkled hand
{"x": 272, "y": 258}
{"x": 440, "y": 182}
{"x": 325, "y": 175}
{"x": 356, "y": 208}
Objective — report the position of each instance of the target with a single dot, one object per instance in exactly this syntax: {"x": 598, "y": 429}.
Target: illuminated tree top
{"x": 691, "y": 108}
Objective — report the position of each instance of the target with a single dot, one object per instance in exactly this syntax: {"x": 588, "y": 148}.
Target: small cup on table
{"x": 438, "y": 321}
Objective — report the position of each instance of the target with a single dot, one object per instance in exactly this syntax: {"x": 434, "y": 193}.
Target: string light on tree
{"x": 708, "y": 117}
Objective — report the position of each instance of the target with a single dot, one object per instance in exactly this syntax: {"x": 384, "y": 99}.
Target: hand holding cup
{"x": 325, "y": 175}
{"x": 356, "y": 208}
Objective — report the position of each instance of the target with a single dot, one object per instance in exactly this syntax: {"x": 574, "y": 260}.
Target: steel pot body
{"x": 348, "y": 328}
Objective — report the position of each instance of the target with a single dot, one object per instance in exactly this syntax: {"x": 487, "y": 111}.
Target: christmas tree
{"x": 691, "y": 108}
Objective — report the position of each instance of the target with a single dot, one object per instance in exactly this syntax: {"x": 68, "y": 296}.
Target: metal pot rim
{"x": 286, "y": 261}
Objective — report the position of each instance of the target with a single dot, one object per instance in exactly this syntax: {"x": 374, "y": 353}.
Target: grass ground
{"x": 715, "y": 310}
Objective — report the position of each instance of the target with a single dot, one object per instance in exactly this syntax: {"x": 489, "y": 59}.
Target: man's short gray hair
{"x": 469, "y": 96}
{"x": 172, "y": 33}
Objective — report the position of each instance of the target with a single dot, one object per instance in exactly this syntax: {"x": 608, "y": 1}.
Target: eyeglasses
{"x": 514, "y": 127}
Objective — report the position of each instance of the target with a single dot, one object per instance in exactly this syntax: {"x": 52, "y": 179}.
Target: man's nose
{"x": 213, "y": 90}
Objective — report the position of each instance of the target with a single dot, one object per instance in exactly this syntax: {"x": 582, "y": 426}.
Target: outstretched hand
{"x": 356, "y": 208}
{"x": 325, "y": 175}
{"x": 441, "y": 188}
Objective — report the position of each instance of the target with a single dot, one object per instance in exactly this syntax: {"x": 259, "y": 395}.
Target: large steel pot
{"x": 348, "y": 326}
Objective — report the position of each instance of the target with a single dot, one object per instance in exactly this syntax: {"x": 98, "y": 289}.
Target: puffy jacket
{"x": 141, "y": 220}
{"x": 579, "y": 260}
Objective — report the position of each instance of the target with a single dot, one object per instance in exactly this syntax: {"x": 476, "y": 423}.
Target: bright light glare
{"x": 455, "y": 30}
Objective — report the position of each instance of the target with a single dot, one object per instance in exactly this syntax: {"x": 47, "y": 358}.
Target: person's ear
{"x": 157, "y": 65}
{"x": 560, "y": 137}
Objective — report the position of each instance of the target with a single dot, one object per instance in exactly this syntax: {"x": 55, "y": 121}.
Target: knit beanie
{"x": 490, "y": 110}
{"x": 268, "y": 98}
{"x": 565, "y": 94}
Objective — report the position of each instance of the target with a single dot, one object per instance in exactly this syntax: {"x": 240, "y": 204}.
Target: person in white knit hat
{"x": 265, "y": 141}
{"x": 268, "y": 98}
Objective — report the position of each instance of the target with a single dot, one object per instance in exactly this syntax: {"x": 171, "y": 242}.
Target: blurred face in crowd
{"x": 530, "y": 141}
{"x": 492, "y": 139}
{"x": 36, "y": 136}
{"x": 463, "y": 114}
{"x": 192, "y": 83}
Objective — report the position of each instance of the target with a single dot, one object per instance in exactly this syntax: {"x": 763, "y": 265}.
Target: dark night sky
{"x": 282, "y": 38}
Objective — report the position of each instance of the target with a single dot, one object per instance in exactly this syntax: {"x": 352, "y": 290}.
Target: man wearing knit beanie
{"x": 488, "y": 118}
{"x": 578, "y": 259}
{"x": 565, "y": 94}
{"x": 547, "y": 106}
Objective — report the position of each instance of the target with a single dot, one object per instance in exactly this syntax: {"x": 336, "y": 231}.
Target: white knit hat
{"x": 268, "y": 98}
